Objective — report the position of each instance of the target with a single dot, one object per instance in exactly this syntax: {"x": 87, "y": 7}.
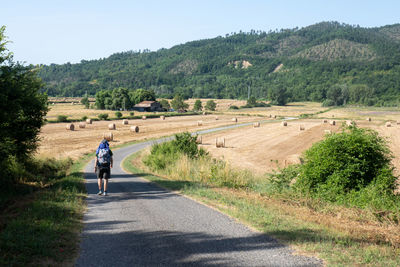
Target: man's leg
{"x": 105, "y": 184}
{"x": 99, "y": 183}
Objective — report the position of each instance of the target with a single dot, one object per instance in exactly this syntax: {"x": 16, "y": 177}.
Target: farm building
{"x": 148, "y": 106}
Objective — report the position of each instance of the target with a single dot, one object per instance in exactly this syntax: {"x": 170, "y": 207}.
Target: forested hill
{"x": 328, "y": 60}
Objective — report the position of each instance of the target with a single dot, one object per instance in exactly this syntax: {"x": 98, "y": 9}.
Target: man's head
{"x": 103, "y": 144}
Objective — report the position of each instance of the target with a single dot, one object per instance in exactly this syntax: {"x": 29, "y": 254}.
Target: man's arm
{"x": 95, "y": 165}
{"x": 111, "y": 162}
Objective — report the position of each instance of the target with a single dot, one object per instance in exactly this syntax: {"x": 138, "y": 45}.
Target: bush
{"x": 62, "y": 118}
{"x": 347, "y": 167}
{"x": 44, "y": 170}
{"x": 84, "y": 118}
{"x": 131, "y": 113}
{"x": 118, "y": 114}
{"x": 166, "y": 153}
{"x": 328, "y": 103}
{"x": 233, "y": 107}
{"x": 103, "y": 116}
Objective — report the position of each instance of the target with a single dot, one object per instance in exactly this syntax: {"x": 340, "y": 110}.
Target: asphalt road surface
{"x": 141, "y": 224}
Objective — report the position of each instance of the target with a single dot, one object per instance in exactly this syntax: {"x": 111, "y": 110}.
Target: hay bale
{"x": 162, "y": 118}
{"x": 388, "y": 124}
{"x": 199, "y": 139}
{"x": 220, "y": 142}
{"x": 256, "y": 124}
{"x": 325, "y": 121}
{"x": 89, "y": 121}
{"x": 134, "y": 129}
{"x": 302, "y": 127}
{"x": 284, "y": 123}
{"x": 398, "y": 122}
{"x": 270, "y": 115}
{"x": 327, "y": 131}
{"x": 350, "y": 123}
{"x": 144, "y": 117}
{"x": 125, "y": 122}
{"x": 204, "y": 113}
{"x": 111, "y": 126}
{"x": 199, "y": 123}
{"x": 216, "y": 118}
{"x": 333, "y": 123}
{"x": 82, "y": 124}
{"x": 368, "y": 119}
{"x": 234, "y": 119}
{"x": 274, "y": 116}
{"x": 108, "y": 136}
{"x": 70, "y": 126}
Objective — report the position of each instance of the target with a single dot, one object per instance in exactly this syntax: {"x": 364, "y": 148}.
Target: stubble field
{"x": 260, "y": 149}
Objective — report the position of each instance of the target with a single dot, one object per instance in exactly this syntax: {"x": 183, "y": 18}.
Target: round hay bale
{"x": 162, "y": 118}
{"x": 350, "y": 123}
{"x": 388, "y": 124}
{"x": 302, "y": 127}
{"x": 216, "y": 118}
{"x": 108, "y": 136}
{"x": 199, "y": 123}
{"x": 199, "y": 139}
{"x": 325, "y": 121}
{"x": 398, "y": 122}
{"x": 274, "y": 116}
{"x": 144, "y": 117}
{"x": 284, "y": 123}
{"x": 135, "y": 129}
{"x": 327, "y": 131}
{"x": 204, "y": 113}
{"x": 270, "y": 115}
{"x": 333, "y": 123}
{"x": 234, "y": 119}
{"x": 256, "y": 125}
{"x": 125, "y": 122}
{"x": 111, "y": 126}
{"x": 89, "y": 121}
{"x": 70, "y": 126}
{"x": 82, "y": 124}
{"x": 368, "y": 119}
{"x": 220, "y": 142}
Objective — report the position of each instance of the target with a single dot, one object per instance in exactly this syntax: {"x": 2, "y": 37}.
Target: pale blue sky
{"x": 54, "y": 31}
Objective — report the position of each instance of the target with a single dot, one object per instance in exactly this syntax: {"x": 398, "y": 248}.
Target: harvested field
{"x": 57, "y": 142}
{"x": 263, "y": 149}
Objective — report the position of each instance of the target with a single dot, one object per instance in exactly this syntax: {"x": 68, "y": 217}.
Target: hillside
{"x": 313, "y": 61}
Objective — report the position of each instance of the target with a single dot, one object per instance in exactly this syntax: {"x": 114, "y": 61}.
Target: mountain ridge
{"x": 315, "y": 58}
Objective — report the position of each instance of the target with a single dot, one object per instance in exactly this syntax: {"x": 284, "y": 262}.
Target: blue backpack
{"x": 104, "y": 158}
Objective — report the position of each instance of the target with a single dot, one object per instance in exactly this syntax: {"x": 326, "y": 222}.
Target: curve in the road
{"x": 141, "y": 224}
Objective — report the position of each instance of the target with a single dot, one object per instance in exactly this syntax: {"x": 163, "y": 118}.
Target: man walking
{"x": 103, "y": 165}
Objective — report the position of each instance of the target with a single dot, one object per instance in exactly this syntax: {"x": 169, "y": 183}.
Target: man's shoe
{"x": 105, "y": 193}
{"x": 100, "y": 193}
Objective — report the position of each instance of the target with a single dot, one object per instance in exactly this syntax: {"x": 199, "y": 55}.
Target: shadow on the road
{"x": 169, "y": 248}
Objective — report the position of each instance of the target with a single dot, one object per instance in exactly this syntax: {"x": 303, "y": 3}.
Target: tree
{"x": 165, "y": 104}
{"x": 279, "y": 96}
{"x": 197, "y": 105}
{"x": 140, "y": 95}
{"x": 178, "y": 104}
{"x": 210, "y": 105}
{"x": 85, "y": 101}
{"x": 22, "y": 113}
{"x": 252, "y": 101}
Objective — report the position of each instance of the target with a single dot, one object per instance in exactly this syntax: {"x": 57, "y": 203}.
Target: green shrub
{"x": 62, "y": 118}
{"x": 164, "y": 154}
{"x": 346, "y": 167}
{"x": 328, "y": 103}
{"x": 233, "y": 107}
{"x": 131, "y": 113}
{"x": 47, "y": 169}
{"x": 103, "y": 116}
{"x": 84, "y": 118}
{"x": 118, "y": 114}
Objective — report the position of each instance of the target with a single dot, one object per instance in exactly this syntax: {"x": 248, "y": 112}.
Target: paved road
{"x": 141, "y": 224}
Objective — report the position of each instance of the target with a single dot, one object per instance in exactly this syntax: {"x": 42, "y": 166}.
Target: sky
{"x": 55, "y": 31}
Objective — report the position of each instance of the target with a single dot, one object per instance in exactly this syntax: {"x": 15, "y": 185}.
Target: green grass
{"x": 334, "y": 247}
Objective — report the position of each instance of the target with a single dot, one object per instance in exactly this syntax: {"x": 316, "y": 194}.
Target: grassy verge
{"x": 41, "y": 227}
{"x": 337, "y": 235}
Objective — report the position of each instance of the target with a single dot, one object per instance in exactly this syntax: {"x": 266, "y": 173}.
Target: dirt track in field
{"x": 58, "y": 142}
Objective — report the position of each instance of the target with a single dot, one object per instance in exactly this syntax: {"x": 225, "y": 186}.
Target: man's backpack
{"x": 104, "y": 158}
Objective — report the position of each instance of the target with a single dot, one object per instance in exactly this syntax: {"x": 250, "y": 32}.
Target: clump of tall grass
{"x": 182, "y": 160}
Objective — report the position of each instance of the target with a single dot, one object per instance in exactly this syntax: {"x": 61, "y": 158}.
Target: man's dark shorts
{"x": 103, "y": 173}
